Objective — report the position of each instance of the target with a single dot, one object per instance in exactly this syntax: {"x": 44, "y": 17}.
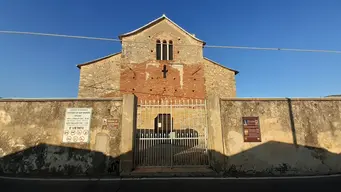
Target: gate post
{"x": 215, "y": 134}
{"x": 129, "y": 113}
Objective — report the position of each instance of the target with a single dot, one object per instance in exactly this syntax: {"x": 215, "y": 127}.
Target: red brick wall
{"x": 147, "y": 82}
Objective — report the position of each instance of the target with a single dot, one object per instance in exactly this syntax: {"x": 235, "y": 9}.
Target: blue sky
{"x": 34, "y": 66}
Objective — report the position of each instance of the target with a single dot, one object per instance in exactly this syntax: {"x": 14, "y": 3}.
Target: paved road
{"x": 208, "y": 185}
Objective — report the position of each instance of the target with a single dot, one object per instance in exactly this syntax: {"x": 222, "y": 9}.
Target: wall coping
{"x": 121, "y": 99}
{"x": 58, "y": 99}
{"x": 283, "y": 99}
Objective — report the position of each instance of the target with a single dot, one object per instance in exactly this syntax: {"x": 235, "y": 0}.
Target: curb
{"x": 168, "y": 178}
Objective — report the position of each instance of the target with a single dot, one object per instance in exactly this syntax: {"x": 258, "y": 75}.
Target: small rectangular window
{"x": 164, "y": 51}
{"x": 170, "y": 52}
{"x": 158, "y": 51}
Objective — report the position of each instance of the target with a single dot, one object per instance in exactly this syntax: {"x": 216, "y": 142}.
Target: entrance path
{"x": 175, "y": 185}
{"x": 172, "y": 172}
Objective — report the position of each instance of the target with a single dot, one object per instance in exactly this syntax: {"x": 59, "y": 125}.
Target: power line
{"x": 272, "y": 49}
{"x": 58, "y": 35}
{"x": 206, "y": 46}
{"x": 75, "y": 37}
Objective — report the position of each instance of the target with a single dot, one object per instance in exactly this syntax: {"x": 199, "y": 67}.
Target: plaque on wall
{"x": 113, "y": 123}
{"x": 251, "y": 129}
{"x": 77, "y": 125}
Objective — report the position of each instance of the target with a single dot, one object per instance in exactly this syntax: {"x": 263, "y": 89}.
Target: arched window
{"x": 170, "y": 50}
{"x": 164, "y": 50}
{"x": 158, "y": 50}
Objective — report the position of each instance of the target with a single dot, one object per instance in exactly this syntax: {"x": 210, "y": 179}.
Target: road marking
{"x": 167, "y": 178}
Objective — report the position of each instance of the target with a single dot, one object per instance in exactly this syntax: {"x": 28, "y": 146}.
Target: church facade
{"x": 159, "y": 60}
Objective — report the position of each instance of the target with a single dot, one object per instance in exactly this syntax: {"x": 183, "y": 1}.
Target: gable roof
{"x": 235, "y": 71}
{"x": 155, "y": 22}
{"x": 99, "y": 59}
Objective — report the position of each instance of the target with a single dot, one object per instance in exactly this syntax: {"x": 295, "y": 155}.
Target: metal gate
{"x": 171, "y": 134}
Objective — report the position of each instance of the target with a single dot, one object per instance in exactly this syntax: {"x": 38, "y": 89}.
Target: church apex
{"x": 155, "y": 21}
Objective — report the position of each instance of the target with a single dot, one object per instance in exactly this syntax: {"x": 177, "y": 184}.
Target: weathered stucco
{"x": 219, "y": 81}
{"x": 299, "y": 137}
{"x": 31, "y": 134}
{"x": 100, "y": 77}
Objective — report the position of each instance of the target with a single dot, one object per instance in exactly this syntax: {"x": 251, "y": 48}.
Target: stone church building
{"x": 158, "y": 60}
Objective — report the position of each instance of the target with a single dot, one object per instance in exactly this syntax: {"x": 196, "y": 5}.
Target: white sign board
{"x": 77, "y": 125}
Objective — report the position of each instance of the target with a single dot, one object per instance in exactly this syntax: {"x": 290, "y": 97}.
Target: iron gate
{"x": 171, "y": 134}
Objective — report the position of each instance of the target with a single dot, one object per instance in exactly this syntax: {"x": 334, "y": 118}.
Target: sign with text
{"x": 251, "y": 129}
{"x": 77, "y": 125}
{"x": 113, "y": 123}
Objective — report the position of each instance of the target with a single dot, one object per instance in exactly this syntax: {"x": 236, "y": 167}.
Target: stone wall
{"x": 100, "y": 77}
{"x": 141, "y": 47}
{"x": 31, "y": 134}
{"x": 219, "y": 81}
{"x": 111, "y": 78}
{"x": 141, "y": 73}
{"x": 299, "y": 136}
{"x": 136, "y": 70}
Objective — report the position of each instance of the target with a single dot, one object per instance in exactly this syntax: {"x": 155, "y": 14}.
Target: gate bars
{"x": 171, "y": 133}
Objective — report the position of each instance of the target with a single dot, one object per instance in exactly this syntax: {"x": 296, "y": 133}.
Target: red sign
{"x": 113, "y": 123}
{"x": 251, "y": 129}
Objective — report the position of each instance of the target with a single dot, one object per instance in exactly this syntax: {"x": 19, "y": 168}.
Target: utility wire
{"x": 272, "y": 49}
{"x": 75, "y": 37}
{"x": 206, "y": 46}
{"x": 58, "y": 35}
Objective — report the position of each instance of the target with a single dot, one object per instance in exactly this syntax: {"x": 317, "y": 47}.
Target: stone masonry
{"x": 135, "y": 70}
{"x": 300, "y": 136}
{"x": 31, "y": 135}
{"x": 100, "y": 77}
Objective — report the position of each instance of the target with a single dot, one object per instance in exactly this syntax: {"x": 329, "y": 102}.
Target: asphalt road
{"x": 197, "y": 185}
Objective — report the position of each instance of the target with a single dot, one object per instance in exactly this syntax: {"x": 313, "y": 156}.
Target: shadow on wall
{"x": 292, "y": 122}
{"x": 268, "y": 159}
{"x": 277, "y": 159}
{"x": 54, "y": 160}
